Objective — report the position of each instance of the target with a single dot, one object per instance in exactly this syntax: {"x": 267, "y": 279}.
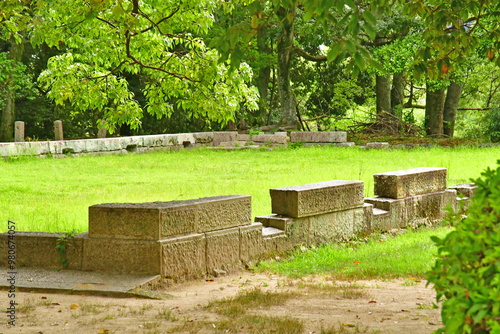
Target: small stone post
{"x": 19, "y": 131}
{"x": 58, "y": 129}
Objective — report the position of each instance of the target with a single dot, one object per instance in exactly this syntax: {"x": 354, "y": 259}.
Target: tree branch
{"x": 307, "y": 56}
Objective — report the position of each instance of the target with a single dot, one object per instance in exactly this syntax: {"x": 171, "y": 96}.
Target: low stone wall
{"x": 117, "y": 145}
{"x": 183, "y": 240}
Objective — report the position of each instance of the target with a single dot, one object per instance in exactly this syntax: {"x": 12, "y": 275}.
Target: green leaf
{"x": 370, "y": 31}
{"x": 333, "y": 52}
{"x": 360, "y": 62}
{"x": 369, "y": 18}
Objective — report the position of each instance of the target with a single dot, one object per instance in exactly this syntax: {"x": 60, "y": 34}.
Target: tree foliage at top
{"x": 157, "y": 39}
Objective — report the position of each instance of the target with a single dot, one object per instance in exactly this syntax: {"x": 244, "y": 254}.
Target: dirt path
{"x": 396, "y": 306}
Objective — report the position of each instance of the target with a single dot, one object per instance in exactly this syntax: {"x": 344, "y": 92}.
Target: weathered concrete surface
{"x": 37, "y": 249}
{"x": 317, "y": 198}
{"x": 122, "y": 256}
{"x": 250, "y": 242}
{"x": 159, "y": 220}
{"x": 224, "y": 136}
{"x": 410, "y": 182}
{"x": 184, "y": 257}
{"x": 318, "y": 137}
{"x": 346, "y": 144}
{"x": 82, "y": 282}
{"x": 223, "y": 250}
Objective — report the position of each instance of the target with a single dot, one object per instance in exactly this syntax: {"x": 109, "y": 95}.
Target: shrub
{"x": 466, "y": 275}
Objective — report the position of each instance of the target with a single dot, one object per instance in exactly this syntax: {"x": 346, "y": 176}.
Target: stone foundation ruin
{"x": 183, "y": 240}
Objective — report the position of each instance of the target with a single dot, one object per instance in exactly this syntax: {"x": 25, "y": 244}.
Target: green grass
{"x": 53, "y": 195}
{"x": 408, "y": 255}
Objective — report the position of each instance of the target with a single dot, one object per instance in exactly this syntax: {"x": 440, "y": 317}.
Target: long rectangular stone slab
{"x": 318, "y": 137}
{"x": 317, "y": 198}
{"x": 410, "y": 182}
{"x": 159, "y": 220}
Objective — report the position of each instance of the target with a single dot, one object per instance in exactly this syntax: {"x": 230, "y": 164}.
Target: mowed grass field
{"x": 53, "y": 195}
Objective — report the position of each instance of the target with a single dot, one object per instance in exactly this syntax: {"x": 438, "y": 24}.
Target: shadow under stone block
{"x": 410, "y": 182}
{"x": 250, "y": 241}
{"x": 38, "y": 249}
{"x": 184, "y": 257}
{"x": 122, "y": 256}
{"x": 223, "y": 250}
{"x": 317, "y": 198}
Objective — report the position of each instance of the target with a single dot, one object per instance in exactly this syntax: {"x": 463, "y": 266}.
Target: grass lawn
{"x": 53, "y": 195}
{"x": 408, "y": 255}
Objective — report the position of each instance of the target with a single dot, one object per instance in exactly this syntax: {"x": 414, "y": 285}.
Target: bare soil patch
{"x": 314, "y": 305}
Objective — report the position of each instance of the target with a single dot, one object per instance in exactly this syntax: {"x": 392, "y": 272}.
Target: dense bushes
{"x": 466, "y": 276}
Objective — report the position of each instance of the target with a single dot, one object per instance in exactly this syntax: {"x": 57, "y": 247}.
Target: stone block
{"x": 318, "y": 137}
{"x": 125, "y": 220}
{"x": 431, "y": 205}
{"x": 250, "y": 241}
{"x": 347, "y": 144}
{"x": 450, "y": 199}
{"x": 242, "y": 137}
{"x": 37, "y": 249}
{"x": 275, "y": 243}
{"x": 224, "y": 136}
{"x": 58, "y": 130}
{"x": 274, "y": 139}
{"x": 219, "y": 212}
{"x": 131, "y": 143}
{"x": 331, "y": 227}
{"x": 362, "y": 219}
{"x": 122, "y": 256}
{"x": 410, "y": 182}
{"x": 184, "y": 257}
{"x": 19, "y": 131}
{"x": 382, "y": 220}
{"x": 156, "y": 141}
{"x": 204, "y": 138}
{"x": 377, "y": 145}
{"x": 317, "y": 198}
{"x": 223, "y": 249}
{"x": 159, "y": 220}
{"x": 465, "y": 190}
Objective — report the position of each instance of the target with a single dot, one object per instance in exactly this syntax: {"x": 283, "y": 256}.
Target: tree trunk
{"x": 383, "y": 91}
{"x": 264, "y": 72}
{"x": 397, "y": 92}
{"x": 284, "y": 48}
{"x": 450, "y": 108}
{"x": 434, "y": 105}
{"x": 8, "y": 113}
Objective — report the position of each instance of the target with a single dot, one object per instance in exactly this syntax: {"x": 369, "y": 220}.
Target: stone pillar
{"x": 58, "y": 129}
{"x": 19, "y": 131}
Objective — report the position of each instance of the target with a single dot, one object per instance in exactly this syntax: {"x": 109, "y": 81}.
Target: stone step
{"x": 271, "y": 231}
{"x": 379, "y": 212}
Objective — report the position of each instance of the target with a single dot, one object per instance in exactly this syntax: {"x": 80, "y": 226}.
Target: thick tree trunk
{"x": 284, "y": 48}
{"x": 383, "y": 93}
{"x": 434, "y": 105}
{"x": 264, "y": 72}
{"x": 397, "y": 92}
{"x": 450, "y": 108}
{"x": 8, "y": 112}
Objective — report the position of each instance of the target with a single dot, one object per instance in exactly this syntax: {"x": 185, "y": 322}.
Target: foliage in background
{"x": 466, "y": 275}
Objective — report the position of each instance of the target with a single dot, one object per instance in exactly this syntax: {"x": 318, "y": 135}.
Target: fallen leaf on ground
{"x": 349, "y": 325}
{"x": 357, "y": 262}
{"x": 73, "y": 306}
{"x": 102, "y": 331}
{"x": 372, "y": 301}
